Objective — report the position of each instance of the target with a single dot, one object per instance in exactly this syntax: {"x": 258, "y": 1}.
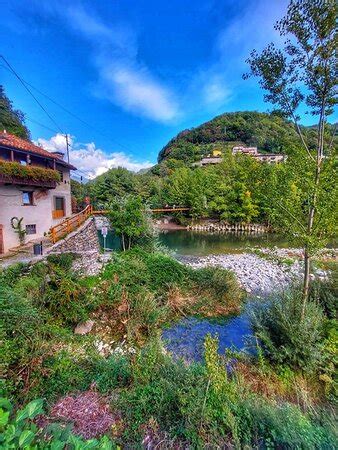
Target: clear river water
{"x": 196, "y": 243}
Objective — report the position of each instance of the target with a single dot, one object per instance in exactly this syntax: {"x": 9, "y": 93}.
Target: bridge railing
{"x": 70, "y": 224}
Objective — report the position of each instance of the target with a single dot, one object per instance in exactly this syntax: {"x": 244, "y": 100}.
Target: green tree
{"x": 304, "y": 71}
{"x": 129, "y": 219}
{"x": 11, "y": 120}
{"x": 113, "y": 183}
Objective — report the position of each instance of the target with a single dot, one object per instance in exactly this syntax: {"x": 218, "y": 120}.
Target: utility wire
{"x": 40, "y": 124}
{"x": 30, "y": 92}
{"x": 67, "y": 110}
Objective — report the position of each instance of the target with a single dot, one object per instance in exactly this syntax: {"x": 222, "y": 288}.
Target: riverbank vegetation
{"x": 277, "y": 398}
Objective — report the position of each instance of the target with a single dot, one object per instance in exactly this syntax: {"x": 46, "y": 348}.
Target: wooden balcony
{"x": 18, "y": 181}
{"x": 13, "y": 173}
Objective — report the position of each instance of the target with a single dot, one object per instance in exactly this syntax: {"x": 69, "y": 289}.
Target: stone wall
{"x": 83, "y": 239}
{"x": 220, "y": 227}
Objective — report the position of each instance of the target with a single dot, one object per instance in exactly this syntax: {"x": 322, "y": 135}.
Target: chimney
{"x": 59, "y": 154}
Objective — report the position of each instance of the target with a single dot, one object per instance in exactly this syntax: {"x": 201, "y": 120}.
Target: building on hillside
{"x": 34, "y": 186}
{"x": 270, "y": 158}
{"x": 216, "y": 153}
{"x": 252, "y": 151}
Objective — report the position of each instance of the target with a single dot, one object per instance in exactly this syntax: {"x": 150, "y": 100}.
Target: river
{"x": 196, "y": 243}
{"x": 185, "y": 338}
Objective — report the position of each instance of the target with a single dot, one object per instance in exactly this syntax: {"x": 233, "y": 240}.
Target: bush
{"x": 22, "y": 328}
{"x": 63, "y": 260}
{"x": 112, "y": 373}
{"x": 326, "y": 294}
{"x": 284, "y": 337}
{"x": 65, "y": 298}
{"x": 10, "y": 276}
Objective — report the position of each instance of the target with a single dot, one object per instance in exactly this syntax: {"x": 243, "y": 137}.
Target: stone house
{"x": 34, "y": 186}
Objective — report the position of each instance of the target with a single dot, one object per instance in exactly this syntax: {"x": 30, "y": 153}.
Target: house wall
{"x": 39, "y": 214}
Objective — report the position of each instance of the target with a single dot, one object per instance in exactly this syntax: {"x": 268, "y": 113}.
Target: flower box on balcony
{"x": 15, "y": 173}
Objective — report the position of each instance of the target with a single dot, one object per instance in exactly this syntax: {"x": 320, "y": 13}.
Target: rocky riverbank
{"x": 257, "y": 275}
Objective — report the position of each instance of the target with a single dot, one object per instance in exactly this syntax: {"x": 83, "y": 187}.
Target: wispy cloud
{"x": 253, "y": 27}
{"x": 89, "y": 159}
{"x": 122, "y": 77}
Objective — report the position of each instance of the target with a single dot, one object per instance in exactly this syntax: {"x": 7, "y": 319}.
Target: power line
{"x": 40, "y": 124}
{"x": 68, "y": 111}
{"x": 31, "y": 93}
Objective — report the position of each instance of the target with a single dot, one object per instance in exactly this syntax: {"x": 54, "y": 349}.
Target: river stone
{"x": 84, "y": 328}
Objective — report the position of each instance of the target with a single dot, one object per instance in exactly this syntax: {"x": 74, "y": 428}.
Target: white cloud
{"x": 136, "y": 90}
{"x": 122, "y": 78}
{"x": 89, "y": 159}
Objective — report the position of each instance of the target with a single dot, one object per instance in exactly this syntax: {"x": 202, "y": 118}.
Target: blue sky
{"x": 137, "y": 71}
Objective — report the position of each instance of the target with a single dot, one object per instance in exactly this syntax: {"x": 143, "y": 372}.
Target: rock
{"x": 255, "y": 274}
{"x": 84, "y": 328}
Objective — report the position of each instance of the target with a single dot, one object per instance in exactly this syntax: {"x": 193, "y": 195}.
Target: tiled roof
{"x": 16, "y": 143}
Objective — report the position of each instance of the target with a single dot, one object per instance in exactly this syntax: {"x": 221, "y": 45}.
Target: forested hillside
{"x": 270, "y": 132}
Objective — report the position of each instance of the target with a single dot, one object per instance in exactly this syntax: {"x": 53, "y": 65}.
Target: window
{"x": 61, "y": 175}
{"x": 59, "y": 204}
{"x": 31, "y": 229}
{"x": 27, "y": 198}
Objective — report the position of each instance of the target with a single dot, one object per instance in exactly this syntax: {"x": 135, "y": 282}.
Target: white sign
{"x": 104, "y": 231}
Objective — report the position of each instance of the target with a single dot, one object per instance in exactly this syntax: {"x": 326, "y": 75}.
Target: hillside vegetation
{"x": 269, "y": 132}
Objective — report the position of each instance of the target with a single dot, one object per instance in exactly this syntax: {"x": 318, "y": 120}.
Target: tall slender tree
{"x": 304, "y": 72}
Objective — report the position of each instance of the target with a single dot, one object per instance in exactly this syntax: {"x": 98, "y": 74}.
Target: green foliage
{"x": 18, "y": 430}
{"x": 16, "y": 224}
{"x": 63, "y": 260}
{"x": 65, "y": 297}
{"x": 11, "y": 120}
{"x": 16, "y": 170}
{"x": 130, "y": 221}
{"x": 201, "y": 406}
{"x": 115, "y": 183}
{"x": 325, "y": 293}
{"x": 21, "y": 331}
{"x": 282, "y": 332}
{"x": 268, "y": 132}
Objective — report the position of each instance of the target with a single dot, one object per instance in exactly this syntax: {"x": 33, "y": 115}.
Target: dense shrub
{"x": 285, "y": 338}
{"x": 62, "y": 260}
{"x": 65, "y": 298}
{"x": 22, "y": 328}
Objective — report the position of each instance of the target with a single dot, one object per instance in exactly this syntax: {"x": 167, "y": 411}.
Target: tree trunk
{"x": 306, "y": 281}
{"x": 312, "y": 210}
{"x": 123, "y": 243}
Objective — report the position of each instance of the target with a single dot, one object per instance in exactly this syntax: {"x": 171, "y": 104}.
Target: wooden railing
{"x": 154, "y": 210}
{"x": 70, "y": 224}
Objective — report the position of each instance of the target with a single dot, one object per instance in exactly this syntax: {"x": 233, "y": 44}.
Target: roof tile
{"x": 16, "y": 143}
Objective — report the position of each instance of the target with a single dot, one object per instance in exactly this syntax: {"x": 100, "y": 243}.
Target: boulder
{"x": 84, "y": 328}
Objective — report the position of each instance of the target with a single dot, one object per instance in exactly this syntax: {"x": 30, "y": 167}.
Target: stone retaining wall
{"x": 81, "y": 240}
{"x": 226, "y": 227}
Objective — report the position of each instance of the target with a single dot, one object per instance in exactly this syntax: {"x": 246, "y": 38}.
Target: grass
{"x": 259, "y": 402}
